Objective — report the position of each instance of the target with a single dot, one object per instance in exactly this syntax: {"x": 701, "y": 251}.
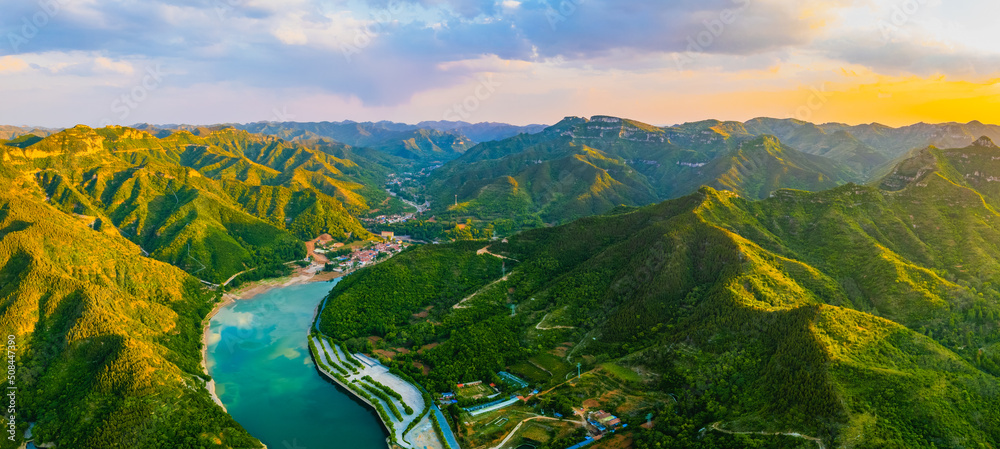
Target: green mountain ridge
{"x": 395, "y": 139}
{"x": 107, "y": 341}
{"x": 864, "y": 316}
{"x": 581, "y": 167}
{"x": 214, "y": 204}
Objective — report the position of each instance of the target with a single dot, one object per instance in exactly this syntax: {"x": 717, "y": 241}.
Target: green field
{"x": 554, "y": 365}
{"x": 530, "y": 372}
{"x": 621, "y": 372}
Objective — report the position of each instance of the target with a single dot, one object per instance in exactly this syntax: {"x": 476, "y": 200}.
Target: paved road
{"x": 518, "y": 426}
{"x": 445, "y": 428}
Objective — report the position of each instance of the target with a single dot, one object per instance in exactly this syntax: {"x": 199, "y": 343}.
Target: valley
{"x": 504, "y": 224}
{"x": 604, "y": 281}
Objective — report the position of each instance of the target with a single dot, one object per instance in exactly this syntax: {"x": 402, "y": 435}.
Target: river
{"x": 259, "y": 358}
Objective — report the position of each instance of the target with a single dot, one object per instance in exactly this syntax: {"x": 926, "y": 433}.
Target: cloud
{"x": 382, "y": 54}
{"x": 102, "y": 63}
{"x": 291, "y": 36}
{"x": 11, "y": 64}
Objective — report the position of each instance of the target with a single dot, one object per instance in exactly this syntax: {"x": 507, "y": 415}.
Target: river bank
{"x": 258, "y": 356}
{"x": 301, "y": 275}
{"x": 411, "y": 430}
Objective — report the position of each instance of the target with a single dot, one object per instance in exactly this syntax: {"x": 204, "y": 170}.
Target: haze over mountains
{"x": 874, "y": 305}
{"x": 425, "y": 141}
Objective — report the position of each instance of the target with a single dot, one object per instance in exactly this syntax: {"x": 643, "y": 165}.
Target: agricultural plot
{"x": 555, "y": 366}
{"x": 490, "y": 428}
{"x": 474, "y": 391}
{"x": 531, "y": 373}
{"x": 621, "y": 372}
{"x": 541, "y": 432}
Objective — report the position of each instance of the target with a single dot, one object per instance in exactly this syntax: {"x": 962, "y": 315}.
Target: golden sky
{"x": 895, "y": 62}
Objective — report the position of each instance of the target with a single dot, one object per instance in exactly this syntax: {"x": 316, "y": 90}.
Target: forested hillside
{"x": 872, "y": 143}
{"x": 213, "y": 204}
{"x": 583, "y": 167}
{"x": 864, "y": 316}
{"x": 397, "y": 139}
{"x": 107, "y": 340}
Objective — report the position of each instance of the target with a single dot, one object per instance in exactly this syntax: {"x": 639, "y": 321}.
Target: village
{"x": 343, "y": 258}
{"x": 390, "y": 219}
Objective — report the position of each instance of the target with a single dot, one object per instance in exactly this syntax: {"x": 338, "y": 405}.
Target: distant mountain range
{"x": 426, "y": 141}
{"x": 581, "y": 167}
{"x": 483, "y": 132}
{"x": 10, "y": 132}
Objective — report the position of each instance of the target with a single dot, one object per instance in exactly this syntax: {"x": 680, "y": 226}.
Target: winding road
{"x": 539, "y": 325}
{"x": 819, "y": 442}
{"x": 460, "y": 306}
{"x": 518, "y": 426}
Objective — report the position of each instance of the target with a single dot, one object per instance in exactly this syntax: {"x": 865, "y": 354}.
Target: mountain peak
{"x": 984, "y": 142}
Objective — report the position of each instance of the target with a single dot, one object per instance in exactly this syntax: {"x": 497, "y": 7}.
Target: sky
{"x": 99, "y": 62}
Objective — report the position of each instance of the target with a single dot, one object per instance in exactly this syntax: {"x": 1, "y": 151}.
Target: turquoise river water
{"x": 258, "y": 355}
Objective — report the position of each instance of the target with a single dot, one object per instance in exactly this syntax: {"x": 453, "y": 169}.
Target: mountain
{"x": 873, "y": 145}
{"x": 839, "y": 145}
{"x": 396, "y": 139}
{"x": 214, "y": 204}
{"x": 763, "y": 165}
{"x": 8, "y": 132}
{"x": 107, "y": 239}
{"x": 106, "y": 340}
{"x": 862, "y": 316}
{"x": 483, "y": 132}
{"x": 582, "y": 167}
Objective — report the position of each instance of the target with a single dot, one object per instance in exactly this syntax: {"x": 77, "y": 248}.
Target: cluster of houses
{"x": 603, "y": 422}
{"x": 390, "y": 219}
{"x": 368, "y": 256}
{"x": 324, "y": 247}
